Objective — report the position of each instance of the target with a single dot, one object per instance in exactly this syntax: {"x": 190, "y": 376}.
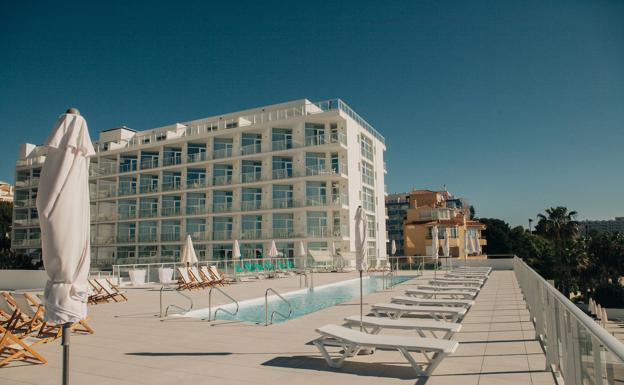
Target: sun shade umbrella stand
{"x": 393, "y": 252}
{"x": 236, "y": 255}
{"x": 361, "y": 255}
{"x": 64, "y": 218}
{"x": 446, "y": 246}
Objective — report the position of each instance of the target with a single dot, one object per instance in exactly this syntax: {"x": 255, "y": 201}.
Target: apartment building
{"x": 290, "y": 172}
{"x": 397, "y": 205}
{"x": 451, "y": 216}
{"x": 602, "y": 226}
{"x": 6, "y": 192}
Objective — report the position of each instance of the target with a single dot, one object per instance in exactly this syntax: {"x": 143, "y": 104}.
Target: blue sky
{"x": 516, "y": 105}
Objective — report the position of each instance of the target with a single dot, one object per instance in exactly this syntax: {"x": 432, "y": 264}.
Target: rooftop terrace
{"x": 131, "y": 345}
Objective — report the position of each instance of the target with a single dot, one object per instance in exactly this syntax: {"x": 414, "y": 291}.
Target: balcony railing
{"x": 576, "y": 346}
{"x": 251, "y": 234}
{"x": 251, "y": 149}
{"x": 197, "y": 209}
{"x": 148, "y": 213}
{"x": 170, "y": 237}
{"x": 284, "y": 233}
{"x": 172, "y": 186}
{"x": 221, "y": 180}
{"x": 148, "y": 189}
{"x": 196, "y": 183}
{"x": 126, "y": 238}
{"x": 172, "y": 160}
{"x": 148, "y": 238}
{"x": 169, "y": 211}
{"x": 149, "y": 163}
{"x": 198, "y": 157}
{"x": 221, "y": 207}
{"x": 282, "y": 173}
{"x": 224, "y": 235}
{"x": 283, "y": 203}
{"x": 250, "y": 177}
{"x": 222, "y": 153}
{"x": 251, "y": 205}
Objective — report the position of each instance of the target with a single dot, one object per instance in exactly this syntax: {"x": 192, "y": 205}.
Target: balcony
{"x": 251, "y": 234}
{"x": 196, "y": 183}
{"x": 284, "y": 233}
{"x": 224, "y": 235}
{"x": 283, "y": 203}
{"x": 280, "y": 145}
{"x": 250, "y": 177}
{"x": 148, "y": 213}
{"x": 251, "y": 205}
{"x": 148, "y": 189}
{"x": 222, "y": 207}
{"x": 171, "y": 186}
{"x": 198, "y": 157}
{"x": 251, "y": 149}
{"x": 282, "y": 173}
{"x": 172, "y": 160}
{"x": 126, "y": 238}
{"x": 127, "y": 215}
{"x": 149, "y": 164}
{"x": 170, "y": 237}
{"x": 170, "y": 211}
{"x": 222, "y": 153}
{"x": 148, "y": 238}
{"x": 197, "y": 210}
{"x": 199, "y": 236}
{"x": 222, "y": 180}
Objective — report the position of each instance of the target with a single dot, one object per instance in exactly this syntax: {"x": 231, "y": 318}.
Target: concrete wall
{"x": 22, "y": 279}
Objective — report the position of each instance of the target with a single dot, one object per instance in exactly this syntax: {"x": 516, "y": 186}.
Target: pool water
{"x": 303, "y": 302}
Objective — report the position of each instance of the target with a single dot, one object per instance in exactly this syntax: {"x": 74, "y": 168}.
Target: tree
{"x": 559, "y": 225}
{"x": 497, "y": 233}
{"x": 472, "y": 212}
{"x": 6, "y": 218}
{"x": 534, "y": 250}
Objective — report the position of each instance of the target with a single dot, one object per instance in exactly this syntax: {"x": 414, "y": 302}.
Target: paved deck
{"x": 132, "y": 346}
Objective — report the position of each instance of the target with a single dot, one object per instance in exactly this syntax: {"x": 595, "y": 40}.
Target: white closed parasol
{"x": 64, "y": 218}
{"x": 189, "y": 257}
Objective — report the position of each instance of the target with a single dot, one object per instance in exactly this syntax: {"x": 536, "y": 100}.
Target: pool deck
{"x": 132, "y": 346}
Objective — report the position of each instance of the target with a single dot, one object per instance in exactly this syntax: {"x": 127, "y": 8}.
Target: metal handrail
{"x": 303, "y": 274}
{"x": 266, "y": 307}
{"x": 558, "y": 322}
{"x": 169, "y": 288}
{"x": 233, "y": 314}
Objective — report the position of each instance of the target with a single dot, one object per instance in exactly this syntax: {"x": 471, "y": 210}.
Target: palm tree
{"x": 560, "y": 226}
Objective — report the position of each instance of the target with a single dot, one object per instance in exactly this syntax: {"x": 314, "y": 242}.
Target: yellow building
{"x": 450, "y": 215}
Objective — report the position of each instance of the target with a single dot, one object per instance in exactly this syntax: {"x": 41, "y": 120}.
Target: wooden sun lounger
{"x": 373, "y": 325}
{"x": 217, "y": 275}
{"x": 185, "y": 280}
{"x": 353, "y": 341}
{"x": 14, "y": 347}
{"x": 110, "y": 290}
{"x": 439, "y": 313}
{"x": 465, "y": 303}
{"x": 26, "y": 300}
{"x": 198, "y": 278}
{"x": 440, "y": 294}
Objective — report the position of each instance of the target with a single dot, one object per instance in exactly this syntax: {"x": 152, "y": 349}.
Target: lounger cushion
{"x": 433, "y": 301}
{"x": 405, "y": 323}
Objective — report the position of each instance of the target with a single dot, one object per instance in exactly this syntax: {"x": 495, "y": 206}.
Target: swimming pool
{"x": 303, "y": 301}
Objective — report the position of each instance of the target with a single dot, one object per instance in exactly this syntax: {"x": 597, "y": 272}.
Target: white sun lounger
{"x": 470, "y": 289}
{"x": 373, "y": 325}
{"x": 466, "y": 275}
{"x": 460, "y": 282}
{"x": 352, "y": 341}
{"x": 440, "y": 294}
{"x": 466, "y": 303}
{"x": 439, "y": 313}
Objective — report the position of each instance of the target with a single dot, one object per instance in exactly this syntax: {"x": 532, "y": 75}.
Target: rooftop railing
{"x": 576, "y": 346}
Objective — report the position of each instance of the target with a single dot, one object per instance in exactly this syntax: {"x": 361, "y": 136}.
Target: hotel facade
{"x": 290, "y": 172}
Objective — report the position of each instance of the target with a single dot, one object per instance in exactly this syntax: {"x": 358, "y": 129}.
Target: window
{"x": 316, "y": 193}
{"x": 368, "y": 175}
{"x": 371, "y": 226}
{"x": 283, "y": 225}
{"x": 282, "y": 196}
{"x": 222, "y": 174}
{"x": 251, "y": 144}
{"x": 148, "y": 207}
{"x": 222, "y": 200}
{"x": 148, "y": 231}
{"x": 251, "y": 171}
{"x": 171, "y": 181}
{"x": 172, "y": 155}
{"x": 317, "y": 224}
{"x": 171, "y": 205}
{"x": 282, "y": 167}
{"x": 368, "y": 199}
{"x": 148, "y": 183}
{"x": 282, "y": 139}
{"x": 127, "y": 209}
{"x": 252, "y": 226}
{"x": 366, "y": 146}
{"x": 315, "y": 163}
{"x": 222, "y": 148}
{"x": 314, "y": 134}
{"x": 222, "y": 228}
{"x": 196, "y": 177}
{"x": 251, "y": 199}
{"x": 196, "y": 152}
{"x": 196, "y": 228}
{"x": 195, "y": 203}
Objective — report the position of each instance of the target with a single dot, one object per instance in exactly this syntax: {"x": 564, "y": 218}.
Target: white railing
{"x": 576, "y": 347}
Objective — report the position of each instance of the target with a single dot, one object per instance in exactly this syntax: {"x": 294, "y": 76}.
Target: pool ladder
{"x": 266, "y": 307}
{"x": 233, "y": 314}
{"x": 183, "y": 310}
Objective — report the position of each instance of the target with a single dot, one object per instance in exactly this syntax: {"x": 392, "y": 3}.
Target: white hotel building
{"x": 288, "y": 172}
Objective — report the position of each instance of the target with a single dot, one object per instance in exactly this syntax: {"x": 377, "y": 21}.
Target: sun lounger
{"x": 353, "y": 341}
{"x": 208, "y": 276}
{"x": 217, "y": 275}
{"x": 185, "y": 281}
{"x": 25, "y": 302}
{"x": 466, "y": 274}
{"x": 470, "y": 289}
{"x": 456, "y": 282}
{"x": 440, "y": 294}
{"x": 198, "y": 278}
{"x": 111, "y": 290}
{"x": 373, "y": 325}
{"x": 10, "y": 316}
{"x": 440, "y": 313}
{"x": 466, "y": 303}
{"x": 14, "y": 347}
